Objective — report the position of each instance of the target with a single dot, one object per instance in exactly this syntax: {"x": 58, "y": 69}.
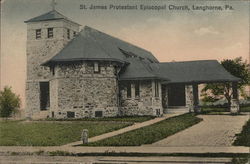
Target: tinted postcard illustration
{"x": 125, "y": 81}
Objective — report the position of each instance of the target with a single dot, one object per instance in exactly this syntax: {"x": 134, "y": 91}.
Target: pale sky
{"x": 169, "y": 35}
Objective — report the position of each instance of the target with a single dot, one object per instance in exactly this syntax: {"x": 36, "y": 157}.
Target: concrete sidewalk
{"x": 214, "y": 130}
{"x": 129, "y": 128}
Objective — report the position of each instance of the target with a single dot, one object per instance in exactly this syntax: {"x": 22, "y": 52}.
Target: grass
{"x": 243, "y": 139}
{"x": 150, "y": 134}
{"x": 120, "y": 119}
{"x": 25, "y": 133}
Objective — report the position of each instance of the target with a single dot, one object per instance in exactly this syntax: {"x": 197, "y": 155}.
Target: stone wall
{"x": 78, "y": 89}
{"x": 39, "y": 51}
{"x": 145, "y": 104}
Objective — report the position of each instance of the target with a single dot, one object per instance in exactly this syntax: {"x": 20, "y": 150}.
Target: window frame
{"x": 157, "y": 89}
{"x": 137, "y": 89}
{"x": 50, "y": 32}
{"x": 129, "y": 90}
{"x": 38, "y": 33}
{"x": 71, "y": 114}
{"x": 96, "y": 67}
{"x": 68, "y": 33}
{"x": 99, "y": 114}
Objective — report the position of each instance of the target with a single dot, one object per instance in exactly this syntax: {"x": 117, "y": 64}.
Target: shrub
{"x": 9, "y": 102}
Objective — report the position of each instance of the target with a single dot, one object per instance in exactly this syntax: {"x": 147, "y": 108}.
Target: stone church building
{"x": 74, "y": 73}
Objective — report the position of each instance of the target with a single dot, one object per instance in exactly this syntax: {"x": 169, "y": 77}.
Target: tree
{"x": 236, "y": 67}
{"x": 9, "y": 102}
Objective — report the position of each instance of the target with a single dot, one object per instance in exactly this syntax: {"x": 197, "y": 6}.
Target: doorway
{"x": 176, "y": 95}
{"x": 44, "y": 96}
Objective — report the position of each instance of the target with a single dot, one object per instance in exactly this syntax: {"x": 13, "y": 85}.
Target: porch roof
{"x": 201, "y": 71}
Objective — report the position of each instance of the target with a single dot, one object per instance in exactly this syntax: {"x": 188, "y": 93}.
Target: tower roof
{"x": 52, "y": 15}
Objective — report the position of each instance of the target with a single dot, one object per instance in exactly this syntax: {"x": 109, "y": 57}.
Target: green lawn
{"x": 243, "y": 139}
{"x": 51, "y": 133}
{"x": 150, "y": 134}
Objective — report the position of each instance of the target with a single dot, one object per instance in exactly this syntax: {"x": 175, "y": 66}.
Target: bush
{"x": 9, "y": 102}
{"x": 243, "y": 139}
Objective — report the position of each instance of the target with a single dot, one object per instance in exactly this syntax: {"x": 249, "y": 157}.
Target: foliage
{"x": 245, "y": 109}
{"x": 241, "y": 160}
{"x": 243, "y": 139}
{"x": 238, "y": 68}
{"x": 150, "y": 134}
{"x": 213, "y": 110}
{"x": 218, "y": 110}
{"x": 9, "y": 102}
{"x": 48, "y": 133}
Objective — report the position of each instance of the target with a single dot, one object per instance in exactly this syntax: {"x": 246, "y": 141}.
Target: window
{"x": 68, "y": 33}
{"x": 50, "y": 32}
{"x": 52, "y": 114}
{"x": 96, "y": 68}
{"x": 52, "y": 70}
{"x": 98, "y": 113}
{"x": 158, "y": 112}
{"x": 44, "y": 96}
{"x": 156, "y": 89}
{"x": 38, "y": 33}
{"x": 137, "y": 89}
{"x": 70, "y": 114}
{"x": 129, "y": 90}
{"x": 74, "y": 34}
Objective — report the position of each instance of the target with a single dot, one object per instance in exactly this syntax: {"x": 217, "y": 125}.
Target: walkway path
{"x": 124, "y": 130}
{"x": 214, "y": 130}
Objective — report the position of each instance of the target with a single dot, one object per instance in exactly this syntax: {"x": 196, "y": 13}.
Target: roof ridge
{"x": 190, "y": 61}
{"x": 99, "y": 45}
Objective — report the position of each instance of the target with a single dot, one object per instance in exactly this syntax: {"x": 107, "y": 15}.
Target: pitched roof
{"x": 193, "y": 72}
{"x": 91, "y": 44}
{"x": 52, "y": 15}
{"x": 139, "y": 69}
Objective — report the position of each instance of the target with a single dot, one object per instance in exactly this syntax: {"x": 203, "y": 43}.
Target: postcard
{"x": 125, "y": 81}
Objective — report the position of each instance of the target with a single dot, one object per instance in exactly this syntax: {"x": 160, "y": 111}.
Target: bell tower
{"x": 47, "y": 34}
